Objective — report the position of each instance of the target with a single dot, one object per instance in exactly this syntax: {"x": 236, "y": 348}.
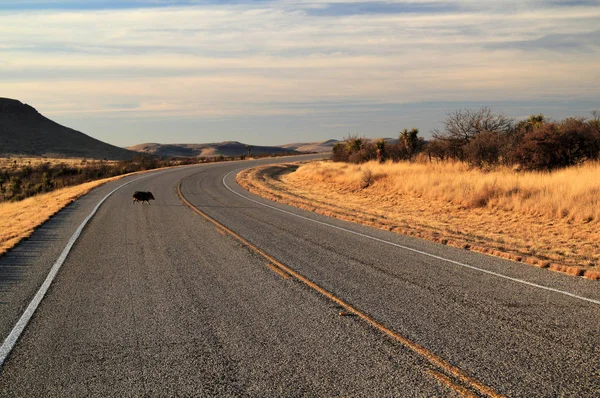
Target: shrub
{"x": 367, "y": 152}
{"x": 409, "y": 141}
{"x": 437, "y": 149}
{"x": 340, "y": 152}
{"x": 484, "y": 138}
{"x": 15, "y": 185}
{"x": 354, "y": 149}
{"x": 555, "y": 145}
{"x": 366, "y": 179}
{"x": 354, "y": 143}
{"x": 381, "y": 148}
{"x": 409, "y": 145}
{"x": 485, "y": 149}
{"x": 534, "y": 121}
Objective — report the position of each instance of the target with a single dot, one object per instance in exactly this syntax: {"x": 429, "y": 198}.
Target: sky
{"x": 275, "y": 72}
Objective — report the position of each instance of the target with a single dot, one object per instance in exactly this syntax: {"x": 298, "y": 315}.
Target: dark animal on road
{"x": 141, "y": 196}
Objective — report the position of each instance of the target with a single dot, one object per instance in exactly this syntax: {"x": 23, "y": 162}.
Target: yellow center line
{"x": 432, "y": 358}
{"x": 278, "y": 271}
{"x": 448, "y": 381}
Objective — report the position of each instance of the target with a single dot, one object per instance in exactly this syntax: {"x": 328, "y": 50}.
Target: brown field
{"x": 18, "y": 220}
{"x": 544, "y": 219}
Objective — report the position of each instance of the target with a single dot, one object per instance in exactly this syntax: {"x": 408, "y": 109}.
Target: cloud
{"x": 563, "y": 43}
{"x": 337, "y": 125}
{"x": 293, "y": 57}
{"x": 110, "y": 4}
{"x": 380, "y": 7}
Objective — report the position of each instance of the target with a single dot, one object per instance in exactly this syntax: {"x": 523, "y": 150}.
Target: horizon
{"x": 279, "y": 72}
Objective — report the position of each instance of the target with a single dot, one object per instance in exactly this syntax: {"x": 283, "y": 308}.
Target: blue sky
{"x": 274, "y": 72}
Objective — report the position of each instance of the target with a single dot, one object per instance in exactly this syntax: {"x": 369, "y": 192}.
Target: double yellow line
{"x": 447, "y": 373}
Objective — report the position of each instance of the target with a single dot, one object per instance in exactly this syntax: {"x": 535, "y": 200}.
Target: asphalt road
{"x": 159, "y": 301}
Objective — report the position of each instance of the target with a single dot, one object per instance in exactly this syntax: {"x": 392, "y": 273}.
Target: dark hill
{"x": 25, "y": 132}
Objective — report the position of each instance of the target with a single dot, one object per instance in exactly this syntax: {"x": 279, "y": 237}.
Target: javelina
{"x": 141, "y": 196}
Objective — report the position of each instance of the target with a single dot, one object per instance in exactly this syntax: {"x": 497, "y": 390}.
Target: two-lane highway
{"x": 160, "y": 301}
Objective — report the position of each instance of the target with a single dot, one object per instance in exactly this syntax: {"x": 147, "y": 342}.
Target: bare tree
{"x": 462, "y": 125}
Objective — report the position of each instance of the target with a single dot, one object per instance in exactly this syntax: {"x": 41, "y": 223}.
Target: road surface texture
{"x": 159, "y": 300}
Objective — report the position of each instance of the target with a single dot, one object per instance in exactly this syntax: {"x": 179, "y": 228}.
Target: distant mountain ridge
{"x": 327, "y": 146}
{"x": 26, "y": 132}
{"x": 235, "y": 148}
{"x": 226, "y": 148}
{"x": 319, "y": 147}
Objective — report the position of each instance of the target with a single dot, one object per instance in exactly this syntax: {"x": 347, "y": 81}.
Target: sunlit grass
{"x": 571, "y": 194}
{"x": 542, "y": 218}
{"x": 18, "y": 220}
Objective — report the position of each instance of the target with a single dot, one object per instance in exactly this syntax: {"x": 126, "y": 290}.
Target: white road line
{"x": 17, "y": 330}
{"x": 551, "y": 289}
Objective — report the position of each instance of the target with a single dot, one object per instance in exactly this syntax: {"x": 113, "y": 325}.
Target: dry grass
{"x": 572, "y": 194}
{"x": 18, "y": 220}
{"x": 547, "y": 219}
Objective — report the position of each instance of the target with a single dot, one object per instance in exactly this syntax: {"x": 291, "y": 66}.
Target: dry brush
{"x": 549, "y": 219}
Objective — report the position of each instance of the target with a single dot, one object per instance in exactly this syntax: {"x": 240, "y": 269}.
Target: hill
{"x": 25, "y": 132}
{"x": 227, "y": 148}
{"x": 327, "y": 146}
{"x": 319, "y": 147}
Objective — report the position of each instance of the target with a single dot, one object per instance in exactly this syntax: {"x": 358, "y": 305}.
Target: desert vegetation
{"x": 545, "y": 219}
{"x": 486, "y": 139}
{"x": 570, "y": 195}
{"x": 527, "y": 190}
{"x": 484, "y": 159}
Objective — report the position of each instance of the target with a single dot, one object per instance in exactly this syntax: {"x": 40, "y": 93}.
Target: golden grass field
{"x": 544, "y": 219}
{"x": 18, "y": 220}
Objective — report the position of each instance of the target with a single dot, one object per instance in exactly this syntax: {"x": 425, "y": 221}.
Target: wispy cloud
{"x": 110, "y": 4}
{"x": 207, "y": 59}
{"x": 380, "y": 7}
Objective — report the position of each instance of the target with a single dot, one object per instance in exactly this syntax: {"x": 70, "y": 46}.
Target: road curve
{"x": 167, "y": 300}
